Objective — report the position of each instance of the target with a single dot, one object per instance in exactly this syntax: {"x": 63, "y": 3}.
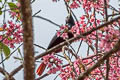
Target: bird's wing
{"x": 55, "y": 40}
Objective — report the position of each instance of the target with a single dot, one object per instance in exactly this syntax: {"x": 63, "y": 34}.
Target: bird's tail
{"x": 41, "y": 68}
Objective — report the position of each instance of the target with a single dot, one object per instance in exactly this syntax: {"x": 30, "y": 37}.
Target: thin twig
{"x": 107, "y": 61}
{"x": 79, "y": 46}
{"x": 71, "y": 11}
{"x": 39, "y": 46}
{"x": 32, "y": 1}
{"x": 111, "y": 7}
{"x": 47, "y": 20}
{"x": 41, "y": 77}
{"x": 37, "y": 13}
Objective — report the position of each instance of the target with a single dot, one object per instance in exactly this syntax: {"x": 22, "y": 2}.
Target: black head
{"x": 70, "y": 21}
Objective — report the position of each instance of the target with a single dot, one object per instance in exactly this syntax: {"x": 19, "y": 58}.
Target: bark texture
{"x": 29, "y": 73}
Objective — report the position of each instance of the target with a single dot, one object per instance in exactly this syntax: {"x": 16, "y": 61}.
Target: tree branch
{"x": 5, "y": 73}
{"x": 100, "y": 61}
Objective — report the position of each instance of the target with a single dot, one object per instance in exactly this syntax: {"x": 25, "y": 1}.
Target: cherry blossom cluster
{"x": 100, "y": 72}
{"x": 53, "y": 63}
{"x": 63, "y": 32}
{"x": 12, "y": 34}
{"x": 72, "y": 72}
{"x": 12, "y": 31}
{"x": 67, "y": 73}
{"x": 88, "y": 5}
{"x": 114, "y": 72}
{"x": 15, "y": 14}
{"x": 108, "y": 40}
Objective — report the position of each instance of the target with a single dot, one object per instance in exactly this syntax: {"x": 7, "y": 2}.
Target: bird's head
{"x": 70, "y": 21}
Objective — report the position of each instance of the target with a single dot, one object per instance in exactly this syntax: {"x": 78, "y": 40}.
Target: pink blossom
{"x": 92, "y": 19}
{"x": 53, "y": 63}
{"x": 18, "y": 4}
{"x": 67, "y": 73}
{"x": 58, "y": 33}
{"x": 64, "y": 35}
{"x": 82, "y": 17}
{"x": 74, "y": 5}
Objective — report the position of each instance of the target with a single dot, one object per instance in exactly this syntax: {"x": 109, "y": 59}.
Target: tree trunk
{"x": 28, "y": 40}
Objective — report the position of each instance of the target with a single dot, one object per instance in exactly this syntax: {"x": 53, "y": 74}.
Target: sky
{"x": 44, "y": 31}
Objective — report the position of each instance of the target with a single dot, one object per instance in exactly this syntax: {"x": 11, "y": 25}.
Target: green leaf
{"x": 0, "y": 12}
{"x": 12, "y": 6}
{"x": 19, "y": 51}
{"x": 5, "y": 49}
{"x": 0, "y": 0}
{"x": 17, "y": 58}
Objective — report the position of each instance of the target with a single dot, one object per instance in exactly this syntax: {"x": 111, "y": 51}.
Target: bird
{"x": 57, "y": 40}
